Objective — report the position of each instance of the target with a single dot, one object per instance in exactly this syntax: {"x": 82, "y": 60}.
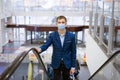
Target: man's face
{"x": 61, "y": 21}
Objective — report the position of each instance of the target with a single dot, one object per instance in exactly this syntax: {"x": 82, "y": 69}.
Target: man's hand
{"x": 72, "y": 70}
{"x": 38, "y": 49}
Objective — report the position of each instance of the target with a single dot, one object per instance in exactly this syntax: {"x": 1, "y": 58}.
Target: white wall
{"x": 94, "y": 55}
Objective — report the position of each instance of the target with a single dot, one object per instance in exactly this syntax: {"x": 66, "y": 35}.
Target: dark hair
{"x": 61, "y": 17}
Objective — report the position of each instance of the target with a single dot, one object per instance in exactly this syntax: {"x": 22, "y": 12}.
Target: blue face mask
{"x": 61, "y": 26}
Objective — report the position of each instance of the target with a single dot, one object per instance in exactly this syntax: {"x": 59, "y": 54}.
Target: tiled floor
{"x": 11, "y": 47}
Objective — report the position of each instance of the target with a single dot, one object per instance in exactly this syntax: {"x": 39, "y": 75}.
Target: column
{"x": 102, "y": 26}
{"x": 10, "y": 30}
{"x": 10, "y": 35}
{"x": 1, "y": 7}
{"x": 1, "y": 37}
{"x": 101, "y": 29}
{"x": 90, "y": 22}
{"x": 25, "y": 29}
{"x": 3, "y": 30}
{"x": 111, "y": 26}
{"x": 110, "y": 36}
{"x": 0, "y": 26}
{"x": 2, "y": 34}
{"x": 90, "y": 17}
{"x": 96, "y": 20}
{"x": 95, "y": 24}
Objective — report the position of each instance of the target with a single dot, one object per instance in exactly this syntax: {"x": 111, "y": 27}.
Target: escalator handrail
{"x": 40, "y": 60}
{"x": 104, "y": 64}
{"x": 13, "y": 66}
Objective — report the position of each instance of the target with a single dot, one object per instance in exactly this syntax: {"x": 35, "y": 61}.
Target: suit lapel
{"x": 58, "y": 39}
{"x": 65, "y": 39}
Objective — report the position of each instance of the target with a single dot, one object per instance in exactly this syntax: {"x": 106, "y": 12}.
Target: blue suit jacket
{"x": 67, "y": 52}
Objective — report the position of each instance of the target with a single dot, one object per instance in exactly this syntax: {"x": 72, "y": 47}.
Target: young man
{"x": 64, "y": 50}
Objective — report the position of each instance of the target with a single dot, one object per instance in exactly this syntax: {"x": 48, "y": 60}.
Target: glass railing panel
{"x": 30, "y": 69}
{"x": 110, "y": 72}
{"x": 3, "y": 66}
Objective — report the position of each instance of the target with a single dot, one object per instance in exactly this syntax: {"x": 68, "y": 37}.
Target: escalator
{"x": 110, "y": 70}
{"x": 31, "y": 67}
{"x": 26, "y": 67}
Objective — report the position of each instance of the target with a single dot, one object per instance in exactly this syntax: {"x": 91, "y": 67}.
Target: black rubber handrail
{"x": 40, "y": 60}
{"x": 13, "y": 66}
{"x": 105, "y": 63}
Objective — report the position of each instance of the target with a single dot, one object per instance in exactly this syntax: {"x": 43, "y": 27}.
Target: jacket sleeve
{"x": 46, "y": 44}
{"x": 73, "y": 51}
